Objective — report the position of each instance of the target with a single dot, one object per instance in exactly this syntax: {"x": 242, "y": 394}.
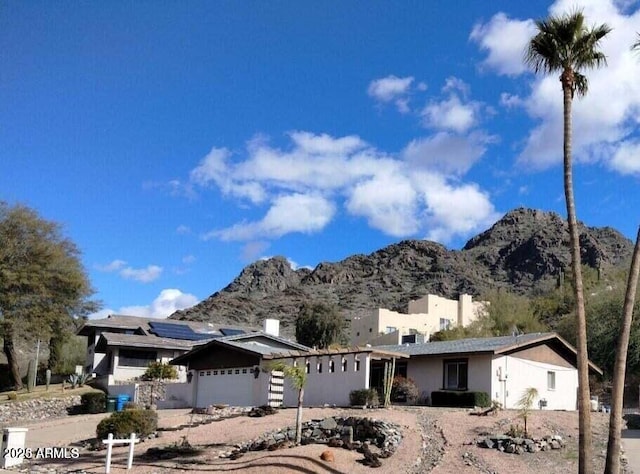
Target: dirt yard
{"x": 434, "y": 440}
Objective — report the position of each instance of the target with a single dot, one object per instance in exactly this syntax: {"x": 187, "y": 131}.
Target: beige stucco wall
{"x": 424, "y": 317}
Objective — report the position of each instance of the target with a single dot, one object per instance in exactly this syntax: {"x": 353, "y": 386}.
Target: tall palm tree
{"x": 564, "y": 44}
{"x": 612, "y": 465}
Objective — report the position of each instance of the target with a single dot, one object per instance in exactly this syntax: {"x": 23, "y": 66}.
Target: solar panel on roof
{"x": 177, "y": 331}
{"x": 231, "y": 332}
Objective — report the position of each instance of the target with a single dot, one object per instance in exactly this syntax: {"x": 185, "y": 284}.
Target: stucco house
{"x": 236, "y": 370}
{"x": 120, "y": 348}
{"x": 424, "y": 316}
{"x": 501, "y": 366}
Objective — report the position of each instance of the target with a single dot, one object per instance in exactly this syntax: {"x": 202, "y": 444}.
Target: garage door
{"x": 230, "y": 386}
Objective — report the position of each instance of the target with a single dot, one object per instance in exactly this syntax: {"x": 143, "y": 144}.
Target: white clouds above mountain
{"x": 606, "y": 119}
{"x": 144, "y": 275}
{"x": 166, "y": 303}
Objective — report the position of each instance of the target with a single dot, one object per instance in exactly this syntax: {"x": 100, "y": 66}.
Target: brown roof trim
{"x": 545, "y": 338}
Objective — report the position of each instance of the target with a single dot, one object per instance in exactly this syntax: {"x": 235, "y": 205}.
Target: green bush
{"x": 160, "y": 371}
{"x": 123, "y": 423}
{"x": 93, "y": 402}
{"x": 365, "y": 396}
{"x": 446, "y": 398}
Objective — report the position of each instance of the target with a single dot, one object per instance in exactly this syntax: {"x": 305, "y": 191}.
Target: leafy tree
{"x": 42, "y": 282}
{"x": 160, "y": 371}
{"x": 612, "y": 464}
{"x": 297, "y": 376}
{"x": 320, "y": 325}
{"x": 565, "y": 44}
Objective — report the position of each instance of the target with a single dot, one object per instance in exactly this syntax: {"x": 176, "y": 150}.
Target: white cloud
{"x": 450, "y": 114}
{"x": 183, "y": 230}
{"x": 510, "y": 100}
{"x": 626, "y": 158}
{"x": 306, "y": 184}
{"x": 188, "y": 259}
{"x": 454, "y": 210}
{"x": 293, "y": 213}
{"x": 393, "y": 89}
{"x": 143, "y": 275}
{"x": 446, "y": 153}
{"x": 505, "y": 41}
{"x": 113, "y": 266}
{"x": 455, "y": 113}
{"x": 605, "y": 119}
{"x": 166, "y": 303}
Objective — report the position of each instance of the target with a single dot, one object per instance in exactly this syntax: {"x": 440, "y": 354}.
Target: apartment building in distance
{"x": 426, "y": 315}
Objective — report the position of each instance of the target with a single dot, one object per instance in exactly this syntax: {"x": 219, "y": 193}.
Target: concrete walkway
{"x": 631, "y": 443}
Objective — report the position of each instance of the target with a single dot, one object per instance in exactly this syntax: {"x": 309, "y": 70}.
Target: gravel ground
{"x": 434, "y": 440}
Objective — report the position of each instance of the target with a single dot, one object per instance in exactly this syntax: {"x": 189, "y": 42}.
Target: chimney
{"x": 272, "y": 327}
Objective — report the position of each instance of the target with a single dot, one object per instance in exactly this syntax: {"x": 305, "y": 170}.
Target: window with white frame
{"x": 551, "y": 380}
{"x": 332, "y": 366}
{"x": 344, "y": 364}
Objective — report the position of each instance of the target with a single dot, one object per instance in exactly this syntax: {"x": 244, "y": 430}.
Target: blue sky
{"x": 176, "y": 142}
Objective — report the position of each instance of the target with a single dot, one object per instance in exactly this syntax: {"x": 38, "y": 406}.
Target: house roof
{"x": 487, "y": 345}
{"x": 144, "y": 325}
{"x": 109, "y": 339}
{"x": 253, "y": 343}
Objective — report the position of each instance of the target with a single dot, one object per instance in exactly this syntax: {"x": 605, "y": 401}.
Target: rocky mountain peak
{"x": 523, "y": 252}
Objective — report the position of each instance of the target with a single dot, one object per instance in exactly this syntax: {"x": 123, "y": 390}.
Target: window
{"x": 244, "y": 371}
{"x": 332, "y": 366}
{"x": 358, "y": 333}
{"x": 370, "y": 329}
{"x": 344, "y": 364}
{"x": 551, "y": 380}
{"x": 134, "y": 358}
{"x": 357, "y": 365}
{"x": 201, "y": 373}
{"x": 455, "y": 374}
{"x": 215, "y": 372}
{"x": 208, "y": 372}
{"x": 390, "y": 329}
{"x": 229, "y": 372}
{"x": 444, "y": 324}
{"x": 308, "y": 367}
{"x": 319, "y": 367}
{"x": 237, "y": 371}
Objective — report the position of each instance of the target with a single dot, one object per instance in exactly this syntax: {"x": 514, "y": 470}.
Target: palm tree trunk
{"x": 612, "y": 465}
{"x": 299, "y": 416}
{"x": 585, "y": 453}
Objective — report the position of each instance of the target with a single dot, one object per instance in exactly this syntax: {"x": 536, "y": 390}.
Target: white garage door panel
{"x": 232, "y": 389}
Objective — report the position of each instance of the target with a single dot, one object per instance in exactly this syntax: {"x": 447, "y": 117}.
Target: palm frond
{"x": 636, "y": 46}
{"x": 564, "y": 43}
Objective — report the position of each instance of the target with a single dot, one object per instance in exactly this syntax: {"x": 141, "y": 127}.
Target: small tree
{"x": 160, "y": 371}
{"x": 320, "y": 325}
{"x": 525, "y": 404}
{"x": 297, "y": 376}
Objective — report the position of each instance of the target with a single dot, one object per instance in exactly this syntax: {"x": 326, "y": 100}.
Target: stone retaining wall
{"x": 29, "y": 410}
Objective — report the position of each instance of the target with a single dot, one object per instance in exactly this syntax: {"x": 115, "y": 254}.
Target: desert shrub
{"x": 93, "y": 402}
{"x": 447, "y": 398}
{"x": 404, "y": 390}
{"x": 123, "y": 423}
{"x": 365, "y": 396}
{"x": 160, "y": 371}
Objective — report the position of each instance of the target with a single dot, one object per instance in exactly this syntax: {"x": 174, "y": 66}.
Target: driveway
{"x": 631, "y": 442}
{"x": 61, "y": 432}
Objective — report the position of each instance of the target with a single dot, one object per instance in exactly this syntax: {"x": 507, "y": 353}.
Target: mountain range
{"x": 526, "y": 252}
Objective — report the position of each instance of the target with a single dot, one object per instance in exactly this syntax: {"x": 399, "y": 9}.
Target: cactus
{"x": 31, "y": 376}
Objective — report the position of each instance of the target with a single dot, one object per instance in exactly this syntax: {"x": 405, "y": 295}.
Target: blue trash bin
{"x": 122, "y": 399}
